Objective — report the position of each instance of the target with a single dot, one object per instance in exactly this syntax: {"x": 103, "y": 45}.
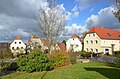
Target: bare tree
{"x": 117, "y": 11}
{"x": 52, "y": 20}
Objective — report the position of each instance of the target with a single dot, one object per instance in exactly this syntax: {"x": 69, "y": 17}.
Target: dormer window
{"x": 109, "y": 34}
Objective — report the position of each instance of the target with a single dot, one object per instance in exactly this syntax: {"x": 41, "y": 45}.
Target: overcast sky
{"x": 19, "y": 17}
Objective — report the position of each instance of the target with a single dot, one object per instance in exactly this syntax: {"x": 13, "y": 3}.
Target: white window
{"x": 87, "y": 49}
{"x": 17, "y": 47}
{"x": 91, "y": 50}
{"x": 77, "y": 45}
{"x": 91, "y": 42}
{"x": 19, "y": 42}
{"x": 89, "y": 35}
{"x": 96, "y": 41}
{"x": 86, "y": 42}
{"x": 13, "y": 48}
{"x": 96, "y": 50}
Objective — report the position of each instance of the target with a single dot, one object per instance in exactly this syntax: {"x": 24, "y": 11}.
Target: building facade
{"x": 17, "y": 46}
{"x": 74, "y": 43}
{"x": 102, "y": 40}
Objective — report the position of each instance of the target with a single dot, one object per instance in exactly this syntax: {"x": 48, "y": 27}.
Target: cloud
{"x": 20, "y": 17}
{"x": 75, "y": 29}
{"x": 82, "y": 4}
{"x": 104, "y": 18}
{"x": 19, "y": 8}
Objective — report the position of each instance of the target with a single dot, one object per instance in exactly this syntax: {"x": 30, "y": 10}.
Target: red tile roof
{"x": 105, "y": 33}
{"x": 62, "y": 46}
{"x": 76, "y": 36}
{"x": 34, "y": 36}
{"x": 29, "y": 41}
{"x": 18, "y": 38}
{"x": 45, "y": 42}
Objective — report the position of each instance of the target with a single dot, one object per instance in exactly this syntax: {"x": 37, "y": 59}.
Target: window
{"x": 91, "y": 42}
{"x": 77, "y": 45}
{"x": 87, "y": 42}
{"x": 13, "y": 48}
{"x": 15, "y": 42}
{"x": 96, "y": 41}
{"x": 87, "y": 49}
{"x": 109, "y": 34}
{"x": 73, "y": 39}
{"x": 17, "y": 47}
{"x": 71, "y": 45}
{"x": 19, "y": 42}
{"x": 89, "y": 35}
{"x": 96, "y": 50}
{"x": 21, "y": 47}
{"x": 93, "y": 34}
{"x": 91, "y": 50}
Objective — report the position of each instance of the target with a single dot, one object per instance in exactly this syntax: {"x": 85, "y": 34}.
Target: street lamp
{"x": 112, "y": 45}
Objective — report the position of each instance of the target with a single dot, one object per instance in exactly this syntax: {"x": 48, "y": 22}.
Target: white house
{"x": 17, "y": 46}
{"x": 74, "y": 43}
{"x": 102, "y": 40}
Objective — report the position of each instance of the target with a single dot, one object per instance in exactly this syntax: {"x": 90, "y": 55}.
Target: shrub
{"x": 4, "y": 65}
{"x": 59, "y": 59}
{"x": 5, "y": 54}
{"x": 85, "y": 54}
{"x": 35, "y": 61}
{"x": 73, "y": 57}
{"x": 117, "y": 61}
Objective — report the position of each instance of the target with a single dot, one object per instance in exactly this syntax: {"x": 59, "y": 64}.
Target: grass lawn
{"x": 92, "y": 70}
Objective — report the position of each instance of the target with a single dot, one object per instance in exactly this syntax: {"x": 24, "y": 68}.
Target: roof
{"x": 18, "y": 38}
{"x": 29, "y": 41}
{"x": 45, "y": 42}
{"x": 76, "y": 36}
{"x": 105, "y": 33}
{"x": 62, "y": 46}
{"x": 34, "y": 36}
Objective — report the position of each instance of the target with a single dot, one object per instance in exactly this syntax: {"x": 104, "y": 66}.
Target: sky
{"x": 19, "y": 17}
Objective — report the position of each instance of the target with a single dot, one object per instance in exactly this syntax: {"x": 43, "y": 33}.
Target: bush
{"x": 116, "y": 53}
{"x": 85, "y": 54}
{"x": 73, "y": 57}
{"x": 117, "y": 61}
{"x": 4, "y": 65}
{"x": 35, "y": 61}
{"x": 5, "y": 54}
{"x": 59, "y": 59}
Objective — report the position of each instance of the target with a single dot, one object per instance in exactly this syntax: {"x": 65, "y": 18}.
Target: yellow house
{"x": 42, "y": 44}
{"x": 102, "y": 40}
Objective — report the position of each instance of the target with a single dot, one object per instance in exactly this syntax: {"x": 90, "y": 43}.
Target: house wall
{"x": 102, "y": 45}
{"x": 75, "y": 43}
{"x": 90, "y": 44}
{"x": 21, "y": 46}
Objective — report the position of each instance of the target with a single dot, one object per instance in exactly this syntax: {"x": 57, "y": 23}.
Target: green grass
{"x": 93, "y": 70}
